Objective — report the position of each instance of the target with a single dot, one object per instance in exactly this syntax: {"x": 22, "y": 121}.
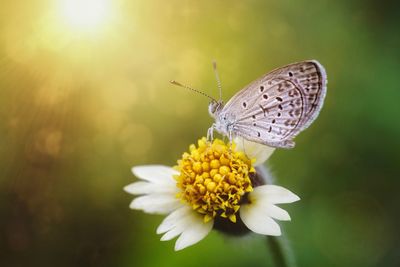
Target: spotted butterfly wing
{"x": 277, "y": 107}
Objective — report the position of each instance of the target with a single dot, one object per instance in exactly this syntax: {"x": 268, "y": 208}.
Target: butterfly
{"x": 273, "y": 109}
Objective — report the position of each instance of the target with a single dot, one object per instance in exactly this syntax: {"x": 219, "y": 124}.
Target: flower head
{"x": 214, "y": 185}
{"x": 213, "y": 179}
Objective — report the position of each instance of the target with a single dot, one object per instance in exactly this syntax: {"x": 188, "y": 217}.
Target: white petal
{"x": 179, "y": 226}
{"x": 255, "y": 218}
{"x": 171, "y": 220}
{"x": 254, "y": 150}
{"x": 276, "y": 212}
{"x": 273, "y": 194}
{"x": 193, "y": 233}
{"x": 172, "y": 234}
{"x": 186, "y": 223}
{"x": 141, "y": 188}
{"x": 158, "y": 174}
{"x": 156, "y": 203}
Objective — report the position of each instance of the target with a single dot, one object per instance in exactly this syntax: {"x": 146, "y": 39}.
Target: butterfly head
{"x": 215, "y": 107}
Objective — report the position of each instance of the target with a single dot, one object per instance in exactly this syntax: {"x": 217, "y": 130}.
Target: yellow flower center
{"x": 213, "y": 178}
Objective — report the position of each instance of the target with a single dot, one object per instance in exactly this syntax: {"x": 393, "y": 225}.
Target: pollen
{"x": 214, "y": 178}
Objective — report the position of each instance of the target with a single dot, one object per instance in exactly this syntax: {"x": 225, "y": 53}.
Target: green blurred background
{"x": 84, "y": 95}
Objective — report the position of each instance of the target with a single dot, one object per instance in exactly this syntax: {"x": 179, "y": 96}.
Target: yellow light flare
{"x": 85, "y": 15}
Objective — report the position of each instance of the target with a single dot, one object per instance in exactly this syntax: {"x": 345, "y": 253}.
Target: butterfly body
{"x": 275, "y": 108}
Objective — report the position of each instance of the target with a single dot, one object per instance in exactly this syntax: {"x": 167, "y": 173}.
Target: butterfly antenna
{"x": 190, "y": 88}
{"x": 218, "y": 80}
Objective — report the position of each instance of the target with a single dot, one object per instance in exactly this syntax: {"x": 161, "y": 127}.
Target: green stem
{"x": 279, "y": 247}
{"x": 280, "y": 250}
{"x": 276, "y": 251}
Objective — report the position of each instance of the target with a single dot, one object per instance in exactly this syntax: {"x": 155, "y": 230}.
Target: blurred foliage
{"x": 80, "y": 106}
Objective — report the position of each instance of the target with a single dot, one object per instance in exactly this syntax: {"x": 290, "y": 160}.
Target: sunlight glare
{"x": 85, "y": 14}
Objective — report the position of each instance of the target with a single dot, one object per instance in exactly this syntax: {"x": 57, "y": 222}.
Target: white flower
{"x": 214, "y": 182}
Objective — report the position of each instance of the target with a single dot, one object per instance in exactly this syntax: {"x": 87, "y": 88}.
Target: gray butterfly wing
{"x": 277, "y": 107}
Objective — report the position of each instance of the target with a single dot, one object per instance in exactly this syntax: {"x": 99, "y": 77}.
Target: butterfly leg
{"x": 210, "y": 133}
{"x": 230, "y": 136}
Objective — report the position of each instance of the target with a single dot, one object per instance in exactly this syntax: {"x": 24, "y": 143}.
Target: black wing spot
{"x": 254, "y": 116}
{"x": 290, "y": 74}
{"x": 265, "y": 96}
{"x": 261, "y": 88}
{"x": 258, "y": 134}
{"x": 279, "y": 99}
{"x": 273, "y": 121}
{"x": 244, "y": 104}
{"x": 270, "y": 129}
{"x": 254, "y": 124}
{"x": 280, "y": 107}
